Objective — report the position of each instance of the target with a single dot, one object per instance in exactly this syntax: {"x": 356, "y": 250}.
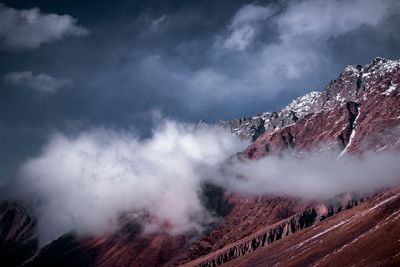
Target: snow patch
{"x": 324, "y": 232}
{"x": 389, "y": 90}
{"x": 380, "y": 67}
{"x": 302, "y": 105}
{"x": 380, "y": 149}
{"x": 353, "y": 70}
{"x": 353, "y": 133}
{"x": 380, "y": 204}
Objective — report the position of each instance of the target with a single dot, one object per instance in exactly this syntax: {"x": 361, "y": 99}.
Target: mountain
{"x": 372, "y": 88}
{"x": 358, "y": 112}
{"x": 252, "y": 128}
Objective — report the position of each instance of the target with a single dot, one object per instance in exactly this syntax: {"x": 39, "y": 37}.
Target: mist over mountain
{"x": 200, "y": 133}
{"x": 87, "y": 182}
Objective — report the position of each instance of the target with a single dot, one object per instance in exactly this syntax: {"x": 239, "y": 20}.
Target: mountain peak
{"x": 303, "y": 104}
{"x": 380, "y": 66}
{"x": 352, "y": 69}
{"x": 353, "y": 84}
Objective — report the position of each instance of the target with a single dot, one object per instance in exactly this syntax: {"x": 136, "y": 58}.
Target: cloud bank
{"x": 84, "y": 183}
{"x": 42, "y": 82}
{"x": 319, "y": 176}
{"x": 27, "y": 29}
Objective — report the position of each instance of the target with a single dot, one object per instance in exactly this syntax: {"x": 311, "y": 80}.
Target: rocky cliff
{"x": 268, "y": 236}
{"x": 366, "y": 235}
{"x": 359, "y": 111}
{"x": 279, "y": 220}
{"x": 374, "y": 216}
{"x": 249, "y": 215}
{"x": 252, "y": 128}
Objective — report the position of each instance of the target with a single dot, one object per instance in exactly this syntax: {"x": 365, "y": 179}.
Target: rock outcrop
{"x": 249, "y": 215}
{"x": 281, "y": 229}
{"x": 270, "y": 235}
{"x": 366, "y": 235}
{"x": 252, "y": 128}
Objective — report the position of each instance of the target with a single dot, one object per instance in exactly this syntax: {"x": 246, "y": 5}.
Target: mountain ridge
{"x": 358, "y": 112}
{"x": 355, "y": 79}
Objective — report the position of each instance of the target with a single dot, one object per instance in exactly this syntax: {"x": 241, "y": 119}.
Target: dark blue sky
{"x": 77, "y": 64}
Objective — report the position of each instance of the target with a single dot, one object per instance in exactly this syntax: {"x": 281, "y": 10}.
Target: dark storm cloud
{"x": 29, "y": 28}
{"x": 195, "y": 59}
{"x": 236, "y": 69}
{"x": 254, "y": 55}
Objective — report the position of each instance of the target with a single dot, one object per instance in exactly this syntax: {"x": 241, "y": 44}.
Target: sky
{"x": 67, "y": 66}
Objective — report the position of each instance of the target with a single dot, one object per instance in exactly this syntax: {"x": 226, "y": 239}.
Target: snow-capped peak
{"x": 302, "y": 105}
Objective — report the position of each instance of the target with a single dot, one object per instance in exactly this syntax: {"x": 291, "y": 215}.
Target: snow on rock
{"x": 252, "y": 128}
{"x": 361, "y": 97}
{"x": 389, "y": 90}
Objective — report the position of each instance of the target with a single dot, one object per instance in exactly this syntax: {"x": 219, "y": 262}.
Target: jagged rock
{"x": 270, "y": 235}
{"x": 366, "y": 235}
{"x": 360, "y": 110}
{"x": 249, "y": 215}
{"x": 252, "y": 128}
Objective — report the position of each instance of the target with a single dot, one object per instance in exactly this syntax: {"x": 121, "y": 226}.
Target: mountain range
{"x": 357, "y": 113}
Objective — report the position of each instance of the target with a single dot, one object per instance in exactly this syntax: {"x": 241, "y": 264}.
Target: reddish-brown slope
{"x": 365, "y": 235}
{"x": 249, "y": 215}
{"x": 325, "y": 130}
{"x": 122, "y": 249}
{"x": 146, "y": 250}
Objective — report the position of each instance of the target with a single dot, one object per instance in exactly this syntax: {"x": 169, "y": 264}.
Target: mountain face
{"x": 356, "y": 113}
{"x": 371, "y": 91}
{"x": 359, "y": 111}
{"x": 252, "y": 128}
{"x": 365, "y": 235}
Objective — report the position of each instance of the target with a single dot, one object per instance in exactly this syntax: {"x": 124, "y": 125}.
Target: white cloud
{"x": 319, "y": 176}
{"x": 325, "y": 19}
{"x": 304, "y": 29}
{"x": 26, "y": 29}
{"x": 84, "y": 183}
{"x": 41, "y": 82}
{"x": 241, "y": 37}
{"x": 250, "y": 13}
{"x": 243, "y": 28}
